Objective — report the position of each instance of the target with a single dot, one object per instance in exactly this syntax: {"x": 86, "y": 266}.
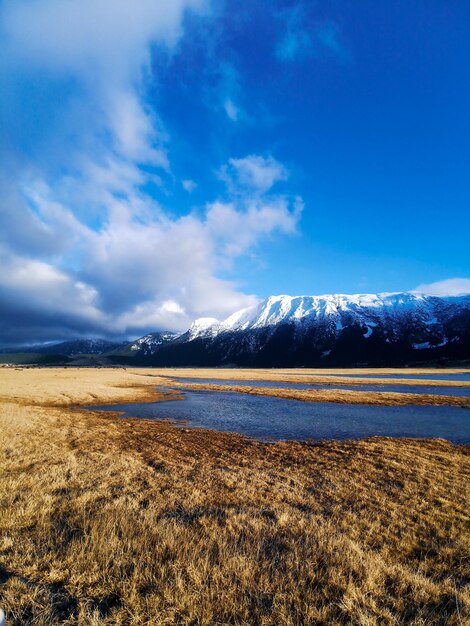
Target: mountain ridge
{"x": 318, "y": 331}
{"x": 276, "y": 309}
{"x": 326, "y": 330}
{"x": 72, "y": 347}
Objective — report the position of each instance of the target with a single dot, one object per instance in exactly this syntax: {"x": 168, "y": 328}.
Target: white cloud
{"x": 130, "y": 260}
{"x": 94, "y": 38}
{"x": 141, "y": 270}
{"x": 238, "y": 230}
{"x": 254, "y": 212}
{"x": 448, "y": 287}
{"x": 84, "y": 248}
{"x": 104, "y": 46}
{"x": 233, "y": 112}
{"x": 135, "y": 131}
{"x": 189, "y": 185}
{"x": 34, "y": 293}
{"x": 152, "y": 314}
{"x": 254, "y": 172}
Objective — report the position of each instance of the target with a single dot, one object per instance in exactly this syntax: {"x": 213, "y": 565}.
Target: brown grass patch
{"x": 123, "y": 521}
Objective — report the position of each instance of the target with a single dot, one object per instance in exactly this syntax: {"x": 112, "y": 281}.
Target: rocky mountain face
{"x": 346, "y": 330}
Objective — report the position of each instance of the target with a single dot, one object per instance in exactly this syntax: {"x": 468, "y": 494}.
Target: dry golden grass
{"x": 121, "y": 521}
{"x": 74, "y": 386}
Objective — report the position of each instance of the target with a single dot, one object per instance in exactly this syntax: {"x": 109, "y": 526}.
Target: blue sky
{"x": 164, "y": 161}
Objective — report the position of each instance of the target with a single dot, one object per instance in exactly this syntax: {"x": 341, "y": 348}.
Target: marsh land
{"x": 105, "y": 520}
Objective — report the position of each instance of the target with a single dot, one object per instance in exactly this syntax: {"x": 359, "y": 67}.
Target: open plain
{"x": 106, "y": 520}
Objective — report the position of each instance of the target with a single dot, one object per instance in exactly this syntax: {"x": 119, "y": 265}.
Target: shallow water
{"x": 265, "y": 417}
{"x": 462, "y": 376}
{"x": 437, "y": 391}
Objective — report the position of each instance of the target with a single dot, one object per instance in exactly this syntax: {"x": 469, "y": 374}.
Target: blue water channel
{"x": 460, "y": 376}
{"x": 270, "y": 418}
{"x": 434, "y": 390}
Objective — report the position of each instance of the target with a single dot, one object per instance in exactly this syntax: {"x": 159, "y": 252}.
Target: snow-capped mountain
{"x": 203, "y": 327}
{"x": 325, "y": 330}
{"x": 146, "y": 345}
{"x": 337, "y": 311}
{"x": 329, "y": 330}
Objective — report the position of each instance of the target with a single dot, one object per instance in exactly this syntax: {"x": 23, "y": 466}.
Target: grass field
{"x": 125, "y": 521}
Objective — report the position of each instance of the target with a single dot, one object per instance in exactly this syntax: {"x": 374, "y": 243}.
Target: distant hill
{"x": 32, "y": 358}
{"x": 73, "y": 347}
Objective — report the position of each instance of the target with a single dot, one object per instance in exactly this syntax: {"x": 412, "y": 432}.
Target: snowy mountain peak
{"x": 147, "y": 345}
{"x": 274, "y": 310}
{"x": 203, "y": 327}
{"x": 153, "y": 339}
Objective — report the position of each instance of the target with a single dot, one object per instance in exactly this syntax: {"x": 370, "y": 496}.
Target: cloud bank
{"x": 85, "y": 246}
{"x": 448, "y": 287}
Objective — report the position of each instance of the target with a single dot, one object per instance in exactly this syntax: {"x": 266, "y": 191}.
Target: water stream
{"x": 421, "y": 389}
{"x": 460, "y": 376}
{"x": 270, "y": 418}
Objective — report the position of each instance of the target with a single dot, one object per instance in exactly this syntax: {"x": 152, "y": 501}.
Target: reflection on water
{"x": 440, "y": 390}
{"x": 267, "y": 417}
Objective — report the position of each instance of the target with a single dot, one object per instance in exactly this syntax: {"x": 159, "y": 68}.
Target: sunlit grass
{"x": 113, "y": 521}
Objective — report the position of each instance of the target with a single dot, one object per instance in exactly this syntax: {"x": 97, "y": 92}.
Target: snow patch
{"x": 421, "y": 346}
{"x": 203, "y": 326}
